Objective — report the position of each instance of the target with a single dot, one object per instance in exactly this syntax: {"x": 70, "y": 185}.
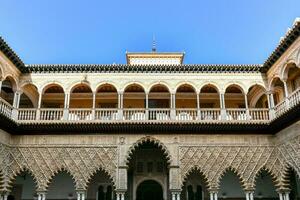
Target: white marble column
{"x": 173, "y": 107}
{"x": 81, "y": 195}
{"x": 66, "y": 106}
{"x": 5, "y": 195}
{"x": 247, "y": 107}
{"x": 222, "y": 106}
{"x": 287, "y": 195}
{"x": 41, "y": 195}
{"x": 38, "y": 111}
{"x": 17, "y": 97}
{"x": 213, "y": 195}
{"x": 286, "y": 93}
{"x": 16, "y": 103}
{"x": 120, "y": 105}
{"x": 280, "y": 196}
{"x": 250, "y": 195}
{"x": 147, "y": 105}
{"x": 94, "y": 105}
{"x": 198, "y": 107}
{"x": 175, "y": 195}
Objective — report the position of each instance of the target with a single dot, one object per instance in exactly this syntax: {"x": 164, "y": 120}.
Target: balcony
{"x": 212, "y": 115}
{"x": 116, "y": 115}
{"x": 159, "y": 115}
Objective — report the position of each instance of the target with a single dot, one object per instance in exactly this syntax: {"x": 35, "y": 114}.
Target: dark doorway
{"x": 149, "y": 190}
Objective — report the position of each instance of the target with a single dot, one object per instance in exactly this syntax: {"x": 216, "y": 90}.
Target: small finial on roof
{"x": 153, "y": 44}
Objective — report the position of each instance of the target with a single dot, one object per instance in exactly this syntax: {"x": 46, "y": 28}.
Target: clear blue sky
{"x": 98, "y": 31}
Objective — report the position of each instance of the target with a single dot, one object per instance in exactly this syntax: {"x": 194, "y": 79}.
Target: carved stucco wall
{"x": 44, "y": 162}
{"x": 246, "y": 156}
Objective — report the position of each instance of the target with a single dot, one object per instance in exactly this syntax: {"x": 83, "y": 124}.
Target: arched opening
{"x": 258, "y": 103}
{"x": 186, "y": 102}
{"x": 195, "y": 187}
{"x": 209, "y": 97}
{"x": 294, "y": 184}
{"x": 264, "y": 186}
{"x": 159, "y": 102}
{"x": 234, "y": 97}
{"x": 257, "y": 97}
{"x": 235, "y": 103}
{"x": 134, "y": 102}
{"x": 53, "y": 96}
{"x": 62, "y": 187}
{"x": 277, "y": 87}
{"x": 149, "y": 190}
{"x": 230, "y": 186}
{"x": 8, "y": 89}
{"x": 293, "y": 77}
{"x": 100, "y": 187}
{"x": 81, "y": 96}
{"x": 147, "y": 160}
{"x": 23, "y": 187}
{"x": 107, "y": 96}
{"x": 186, "y": 97}
{"x": 29, "y": 97}
{"x": 209, "y": 102}
{"x": 106, "y": 102}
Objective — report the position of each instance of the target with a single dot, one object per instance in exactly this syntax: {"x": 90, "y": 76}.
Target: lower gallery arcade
{"x": 151, "y": 167}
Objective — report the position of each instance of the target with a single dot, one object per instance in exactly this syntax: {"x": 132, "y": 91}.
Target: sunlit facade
{"x": 151, "y": 129}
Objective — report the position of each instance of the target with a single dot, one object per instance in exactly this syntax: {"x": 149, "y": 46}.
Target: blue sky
{"x": 97, "y": 31}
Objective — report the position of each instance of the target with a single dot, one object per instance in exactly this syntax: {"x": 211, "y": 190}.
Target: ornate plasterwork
{"x": 148, "y": 139}
{"x": 212, "y": 161}
{"x": 246, "y": 161}
{"x": 44, "y": 162}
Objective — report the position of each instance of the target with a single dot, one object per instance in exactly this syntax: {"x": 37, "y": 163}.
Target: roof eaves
{"x": 285, "y": 42}
{"x": 11, "y": 55}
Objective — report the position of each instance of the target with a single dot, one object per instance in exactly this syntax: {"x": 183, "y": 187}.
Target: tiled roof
{"x": 119, "y": 68}
{"x": 283, "y": 45}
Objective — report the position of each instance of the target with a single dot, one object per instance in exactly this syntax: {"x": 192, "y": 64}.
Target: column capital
{"x": 269, "y": 92}
{"x": 283, "y": 190}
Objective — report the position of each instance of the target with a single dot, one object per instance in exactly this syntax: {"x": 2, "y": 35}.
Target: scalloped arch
{"x": 236, "y": 172}
{"x": 143, "y": 140}
{"x": 13, "y": 176}
{"x": 198, "y": 170}
{"x": 104, "y": 171}
{"x": 274, "y": 177}
{"x": 61, "y": 170}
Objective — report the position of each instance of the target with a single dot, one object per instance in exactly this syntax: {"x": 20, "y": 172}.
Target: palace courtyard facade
{"x": 151, "y": 129}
